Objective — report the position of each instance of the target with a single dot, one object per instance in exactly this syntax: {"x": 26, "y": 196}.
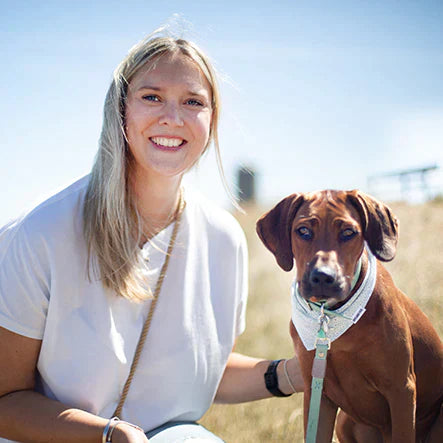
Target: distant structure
{"x": 410, "y": 180}
{"x": 246, "y": 184}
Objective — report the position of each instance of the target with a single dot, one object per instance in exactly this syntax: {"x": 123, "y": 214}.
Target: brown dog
{"x": 385, "y": 372}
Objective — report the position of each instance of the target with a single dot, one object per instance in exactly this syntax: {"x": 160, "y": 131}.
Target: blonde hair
{"x": 112, "y": 227}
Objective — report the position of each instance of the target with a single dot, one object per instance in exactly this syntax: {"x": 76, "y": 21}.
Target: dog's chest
{"x": 351, "y": 388}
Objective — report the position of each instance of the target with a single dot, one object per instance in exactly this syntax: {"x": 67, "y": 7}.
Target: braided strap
{"x": 148, "y": 321}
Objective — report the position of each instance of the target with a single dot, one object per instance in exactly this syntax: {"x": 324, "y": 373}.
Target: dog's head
{"x": 325, "y": 233}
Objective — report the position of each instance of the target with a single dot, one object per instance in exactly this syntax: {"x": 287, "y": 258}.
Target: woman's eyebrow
{"x": 201, "y": 93}
{"x": 153, "y": 88}
{"x": 190, "y": 91}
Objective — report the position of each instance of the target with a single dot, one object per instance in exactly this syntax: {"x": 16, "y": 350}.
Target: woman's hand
{"x": 125, "y": 433}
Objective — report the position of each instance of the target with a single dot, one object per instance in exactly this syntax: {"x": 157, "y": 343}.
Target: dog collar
{"x": 305, "y": 315}
{"x": 356, "y": 274}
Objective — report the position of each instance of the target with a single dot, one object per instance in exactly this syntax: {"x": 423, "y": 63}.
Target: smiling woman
{"x": 168, "y": 116}
{"x": 124, "y": 252}
{"x": 166, "y": 89}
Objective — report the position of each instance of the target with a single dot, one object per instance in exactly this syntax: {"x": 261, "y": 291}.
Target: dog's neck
{"x": 363, "y": 270}
{"x": 359, "y": 276}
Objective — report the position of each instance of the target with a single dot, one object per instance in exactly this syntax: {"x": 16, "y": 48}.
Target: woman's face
{"x": 168, "y": 116}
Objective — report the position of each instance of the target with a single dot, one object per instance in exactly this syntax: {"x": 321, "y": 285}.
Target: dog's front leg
{"x": 328, "y": 412}
{"x": 402, "y": 404}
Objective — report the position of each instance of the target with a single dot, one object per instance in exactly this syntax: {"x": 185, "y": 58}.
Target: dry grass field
{"x": 417, "y": 270}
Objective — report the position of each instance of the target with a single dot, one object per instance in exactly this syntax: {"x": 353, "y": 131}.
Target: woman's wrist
{"x": 289, "y": 376}
{"x": 272, "y": 379}
{"x": 109, "y": 429}
{"x": 118, "y": 431}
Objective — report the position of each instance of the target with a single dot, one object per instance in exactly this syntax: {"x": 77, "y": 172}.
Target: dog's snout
{"x": 322, "y": 276}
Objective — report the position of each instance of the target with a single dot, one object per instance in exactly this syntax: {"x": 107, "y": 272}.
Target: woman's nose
{"x": 171, "y": 115}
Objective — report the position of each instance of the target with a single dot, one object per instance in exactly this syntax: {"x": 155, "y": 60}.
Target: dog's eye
{"x": 305, "y": 233}
{"x": 347, "y": 234}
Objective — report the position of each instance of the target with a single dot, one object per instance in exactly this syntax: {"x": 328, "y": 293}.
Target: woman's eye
{"x": 151, "y": 98}
{"x": 304, "y": 233}
{"x": 347, "y": 234}
{"x": 194, "y": 102}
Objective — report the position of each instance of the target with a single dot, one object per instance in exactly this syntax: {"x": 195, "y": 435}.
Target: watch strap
{"x": 271, "y": 380}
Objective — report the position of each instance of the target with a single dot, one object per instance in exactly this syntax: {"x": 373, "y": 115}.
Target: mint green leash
{"x": 322, "y": 345}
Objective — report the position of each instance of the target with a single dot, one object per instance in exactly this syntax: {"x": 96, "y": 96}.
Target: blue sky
{"x": 316, "y": 94}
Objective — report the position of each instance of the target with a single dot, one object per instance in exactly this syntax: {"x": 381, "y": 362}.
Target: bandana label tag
{"x": 360, "y": 311}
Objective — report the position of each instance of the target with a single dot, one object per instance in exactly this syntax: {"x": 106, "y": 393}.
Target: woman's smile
{"x": 168, "y": 143}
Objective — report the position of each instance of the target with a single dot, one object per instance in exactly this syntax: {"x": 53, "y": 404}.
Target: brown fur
{"x": 385, "y": 373}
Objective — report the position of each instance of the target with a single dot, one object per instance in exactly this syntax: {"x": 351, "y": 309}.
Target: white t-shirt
{"x": 89, "y": 334}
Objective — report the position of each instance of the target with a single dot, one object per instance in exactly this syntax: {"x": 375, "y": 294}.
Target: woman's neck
{"x": 156, "y": 201}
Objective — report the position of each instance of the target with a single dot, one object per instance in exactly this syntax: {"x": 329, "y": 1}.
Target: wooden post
{"x": 246, "y": 184}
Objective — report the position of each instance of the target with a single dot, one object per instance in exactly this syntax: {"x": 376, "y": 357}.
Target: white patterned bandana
{"x": 305, "y": 316}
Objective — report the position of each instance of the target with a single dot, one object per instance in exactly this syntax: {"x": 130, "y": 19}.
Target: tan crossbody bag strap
{"x": 148, "y": 321}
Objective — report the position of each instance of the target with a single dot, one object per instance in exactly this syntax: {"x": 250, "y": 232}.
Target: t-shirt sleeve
{"x": 24, "y": 281}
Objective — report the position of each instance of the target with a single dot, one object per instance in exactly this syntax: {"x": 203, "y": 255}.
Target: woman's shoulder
{"x": 50, "y": 216}
{"x": 217, "y": 220}
{"x": 62, "y": 200}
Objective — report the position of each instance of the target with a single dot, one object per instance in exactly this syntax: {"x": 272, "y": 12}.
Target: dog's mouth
{"x": 320, "y": 300}
{"x": 331, "y": 296}
{"x": 329, "y": 303}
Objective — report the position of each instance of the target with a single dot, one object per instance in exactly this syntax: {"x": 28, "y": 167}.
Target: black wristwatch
{"x": 271, "y": 380}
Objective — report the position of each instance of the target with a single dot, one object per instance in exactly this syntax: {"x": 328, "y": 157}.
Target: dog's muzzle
{"x": 322, "y": 283}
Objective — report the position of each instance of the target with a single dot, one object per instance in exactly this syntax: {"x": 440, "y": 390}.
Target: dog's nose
{"x": 322, "y": 276}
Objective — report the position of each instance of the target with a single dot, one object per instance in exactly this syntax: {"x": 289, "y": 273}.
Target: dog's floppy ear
{"x": 274, "y": 229}
{"x": 380, "y": 225}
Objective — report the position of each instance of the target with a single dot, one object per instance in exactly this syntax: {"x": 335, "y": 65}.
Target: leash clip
{"x": 323, "y": 341}
{"x": 323, "y": 319}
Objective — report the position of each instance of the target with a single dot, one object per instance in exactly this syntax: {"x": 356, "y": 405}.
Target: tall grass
{"x": 417, "y": 271}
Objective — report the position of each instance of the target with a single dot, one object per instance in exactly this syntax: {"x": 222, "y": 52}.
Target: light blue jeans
{"x": 181, "y": 432}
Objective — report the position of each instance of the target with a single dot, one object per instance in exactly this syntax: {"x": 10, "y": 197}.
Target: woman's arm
{"x": 28, "y": 416}
{"x": 243, "y": 379}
